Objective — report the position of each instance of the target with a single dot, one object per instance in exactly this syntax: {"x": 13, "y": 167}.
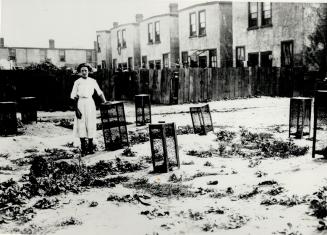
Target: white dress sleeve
{"x": 97, "y": 88}
{"x": 73, "y": 94}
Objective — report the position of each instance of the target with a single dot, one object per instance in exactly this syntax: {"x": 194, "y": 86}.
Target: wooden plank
{"x": 221, "y": 83}
{"x": 186, "y": 85}
{"x": 209, "y": 90}
{"x": 181, "y": 86}
{"x": 197, "y": 85}
{"x": 214, "y": 82}
{"x": 191, "y": 94}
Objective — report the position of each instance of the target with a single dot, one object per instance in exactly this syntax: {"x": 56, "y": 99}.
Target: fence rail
{"x": 166, "y": 86}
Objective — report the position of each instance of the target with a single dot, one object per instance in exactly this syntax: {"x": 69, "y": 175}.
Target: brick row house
{"x": 270, "y": 34}
{"x": 205, "y": 33}
{"x": 159, "y": 40}
{"x": 213, "y": 34}
{"x": 199, "y": 35}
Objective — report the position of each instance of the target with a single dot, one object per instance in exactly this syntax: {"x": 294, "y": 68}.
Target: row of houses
{"x": 212, "y": 34}
{"x": 20, "y": 57}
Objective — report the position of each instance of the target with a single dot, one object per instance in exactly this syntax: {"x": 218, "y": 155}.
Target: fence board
{"x": 186, "y": 85}
{"x": 181, "y": 86}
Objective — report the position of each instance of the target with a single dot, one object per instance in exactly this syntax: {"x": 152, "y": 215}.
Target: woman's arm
{"x": 77, "y": 111}
{"x": 74, "y": 97}
{"x": 99, "y": 92}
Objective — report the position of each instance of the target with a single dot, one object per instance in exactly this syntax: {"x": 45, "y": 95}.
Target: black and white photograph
{"x": 160, "y": 117}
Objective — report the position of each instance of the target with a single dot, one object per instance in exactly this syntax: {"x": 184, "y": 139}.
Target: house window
{"x": 213, "y": 58}
{"x": 118, "y": 39}
{"x": 165, "y": 60}
{"x": 151, "y": 64}
{"x": 122, "y": 66}
{"x": 157, "y": 31}
{"x": 43, "y": 55}
{"x": 202, "y": 23}
{"x": 12, "y": 54}
{"x": 185, "y": 59}
{"x": 98, "y": 43}
{"x": 103, "y": 64}
{"x": 253, "y": 14}
{"x": 193, "y": 62}
{"x": 202, "y": 61}
{"x": 114, "y": 64}
{"x": 240, "y": 56}
{"x": 88, "y": 56}
{"x": 150, "y": 33}
{"x": 123, "y": 37}
{"x": 266, "y": 59}
{"x": 144, "y": 61}
{"x": 130, "y": 62}
{"x": 266, "y": 13}
{"x": 192, "y": 24}
{"x": 287, "y": 53}
{"x": 158, "y": 64}
{"x": 62, "y": 57}
{"x": 253, "y": 59}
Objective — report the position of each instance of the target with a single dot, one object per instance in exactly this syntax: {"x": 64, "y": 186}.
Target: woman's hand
{"x": 78, "y": 113}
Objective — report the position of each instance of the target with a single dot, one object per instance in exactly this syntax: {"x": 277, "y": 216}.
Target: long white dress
{"x": 83, "y": 89}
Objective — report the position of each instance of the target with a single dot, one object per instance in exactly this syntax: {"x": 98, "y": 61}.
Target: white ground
{"x": 299, "y": 176}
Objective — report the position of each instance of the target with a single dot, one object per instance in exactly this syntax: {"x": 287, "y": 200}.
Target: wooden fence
{"x": 197, "y": 85}
{"x": 166, "y": 86}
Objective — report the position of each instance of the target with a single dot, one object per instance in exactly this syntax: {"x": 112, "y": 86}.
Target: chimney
{"x": 173, "y": 8}
{"x": 2, "y": 42}
{"x": 138, "y": 18}
{"x": 51, "y": 44}
{"x": 115, "y": 24}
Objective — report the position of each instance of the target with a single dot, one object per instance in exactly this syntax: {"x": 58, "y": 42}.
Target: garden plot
{"x": 246, "y": 177}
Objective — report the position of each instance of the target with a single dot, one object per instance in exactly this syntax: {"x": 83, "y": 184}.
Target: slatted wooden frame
{"x": 201, "y": 119}
{"x": 114, "y": 125}
{"x": 8, "y": 118}
{"x": 300, "y": 116}
{"x": 142, "y": 109}
{"x": 164, "y": 147}
{"x": 319, "y": 143}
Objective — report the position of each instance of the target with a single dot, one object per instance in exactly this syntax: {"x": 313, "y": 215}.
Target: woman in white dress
{"x": 85, "y": 119}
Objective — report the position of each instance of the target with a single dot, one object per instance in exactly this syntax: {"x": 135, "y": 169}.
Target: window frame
{"x": 151, "y": 64}
{"x": 165, "y": 60}
{"x": 118, "y": 39}
{"x": 123, "y": 38}
{"x": 282, "y": 56}
{"x": 238, "y": 64}
{"x": 266, "y": 21}
{"x": 253, "y": 53}
{"x": 252, "y": 24}
{"x": 185, "y": 64}
{"x": 144, "y": 60}
{"x": 192, "y": 33}
{"x": 202, "y": 33}
{"x": 150, "y": 33}
{"x": 156, "y": 36}
{"x": 213, "y": 63}
{"x": 98, "y": 44}
{"x": 12, "y": 54}
{"x": 265, "y": 53}
{"x": 156, "y": 62}
{"x": 62, "y": 58}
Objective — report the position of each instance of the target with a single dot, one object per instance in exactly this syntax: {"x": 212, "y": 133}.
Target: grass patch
{"x": 226, "y": 136}
{"x": 161, "y": 190}
{"x": 200, "y": 154}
